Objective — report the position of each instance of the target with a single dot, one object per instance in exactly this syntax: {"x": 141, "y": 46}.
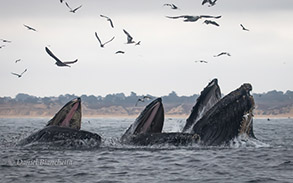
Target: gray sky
{"x": 165, "y": 60}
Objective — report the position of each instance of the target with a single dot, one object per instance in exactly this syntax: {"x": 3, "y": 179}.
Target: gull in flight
{"x": 2, "y": 46}
{"x": 190, "y": 18}
{"x": 201, "y": 61}
{"x": 129, "y": 37}
{"x": 243, "y": 28}
{"x": 72, "y": 10}
{"x": 19, "y": 75}
{"x": 103, "y": 44}
{"x": 18, "y": 60}
{"x": 117, "y": 52}
{"x": 58, "y": 61}
{"x": 172, "y": 6}
{"x": 142, "y": 99}
{"x": 211, "y": 3}
{"x": 211, "y": 22}
{"x": 5, "y": 41}
{"x": 108, "y": 19}
{"x": 30, "y": 28}
{"x": 223, "y": 53}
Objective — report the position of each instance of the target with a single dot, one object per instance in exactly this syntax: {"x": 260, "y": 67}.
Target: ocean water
{"x": 268, "y": 159}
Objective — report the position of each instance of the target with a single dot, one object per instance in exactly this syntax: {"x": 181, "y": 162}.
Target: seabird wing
{"x": 71, "y": 62}
{"x": 68, "y": 5}
{"x": 98, "y": 39}
{"x": 23, "y": 72}
{"x": 109, "y": 40}
{"x": 16, "y": 74}
{"x": 182, "y": 16}
{"x": 77, "y": 8}
{"x": 52, "y": 55}
{"x": 129, "y": 38}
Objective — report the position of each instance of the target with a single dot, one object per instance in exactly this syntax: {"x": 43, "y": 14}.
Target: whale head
{"x": 68, "y": 116}
{"x": 228, "y": 118}
{"x": 210, "y": 95}
{"x": 150, "y": 120}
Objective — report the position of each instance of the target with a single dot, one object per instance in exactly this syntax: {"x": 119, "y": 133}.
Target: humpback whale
{"x": 147, "y": 129}
{"x": 213, "y": 121}
{"x": 64, "y": 126}
{"x": 228, "y": 118}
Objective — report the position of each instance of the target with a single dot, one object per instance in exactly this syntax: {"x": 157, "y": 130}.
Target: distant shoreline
{"x": 281, "y": 116}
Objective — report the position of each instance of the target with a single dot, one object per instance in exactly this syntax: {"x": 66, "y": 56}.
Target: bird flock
{"x": 207, "y": 19}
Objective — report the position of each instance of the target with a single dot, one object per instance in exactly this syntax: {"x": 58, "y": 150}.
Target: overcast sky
{"x": 165, "y": 60}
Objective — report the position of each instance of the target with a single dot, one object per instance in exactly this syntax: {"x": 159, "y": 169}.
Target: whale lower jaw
{"x": 175, "y": 139}
{"x": 57, "y": 134}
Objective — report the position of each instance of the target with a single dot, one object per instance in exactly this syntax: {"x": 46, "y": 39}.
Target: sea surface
{"x": 268, "y": 159}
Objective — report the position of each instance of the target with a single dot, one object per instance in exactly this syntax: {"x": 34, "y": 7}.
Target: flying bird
{"x": 201, "y": 61}
{"x": 243, "y": 28}
{"x": 30, "y": 28}
{"x": 121, "y": 52}
{"x": 5, "y": 41}
{"x": 142, "y": 99}
{"x": 72, "y": 10}
{"x": 223, "y": 53}
{"x": 190, "y": 18}
{"x": 19, "y": 75}
{"x": 2, "y": 46}
{"x": 58, "y": 61}
{"x": 211, "y": 22}
{"x": 172, "y": 6}
{"x": 211, "y": 3}
{"x": 103, "y": 44}
{"x": 18, "y": 60}
{"x": 108, "y": 19}
{"x": 129, "y": 37}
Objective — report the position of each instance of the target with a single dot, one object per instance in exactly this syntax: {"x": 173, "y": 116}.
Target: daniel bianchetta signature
{"x": 36, "y": 162}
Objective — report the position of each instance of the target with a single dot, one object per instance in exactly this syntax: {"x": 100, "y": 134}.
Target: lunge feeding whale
{"x": 230, "y": 117}
{"x": 64, "y": 126}
{"x": 213, "y": 121}
{"x": 147, "y": 129}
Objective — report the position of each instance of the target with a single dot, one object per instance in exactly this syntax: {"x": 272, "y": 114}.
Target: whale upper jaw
{"x": 68, "y": 116}
{"x": 228, "y": 118}
{"x": 151, "y": 120}
{"x": 210, "y": 95}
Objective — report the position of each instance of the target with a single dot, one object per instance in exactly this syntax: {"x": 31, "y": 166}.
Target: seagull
{"x": 72, "y": 10}
{"x": 18, "y": 60}
{"x": 58, "y": 61}
{"x": 211, "y": 3}
{"x": 211, "y": 22}
{"x": 5, "y": 41}
{"x": 19, "y": 75}
{"x": 129, "y": 38}
{"x": 201, "y": 61}
{"x": 142, "y": 99}
{"x": 173, "y": 6}
{"x": 30, "y": 28}
{"x": 101, "y": 44}
{"x": 223, "y": 53}
{"x": 122, "y": 52}
{"x": 243, "y": 28}
{"x": 108, "y": 19}
{"x": 2, "y": 46}
{"x": 190, "y": 18}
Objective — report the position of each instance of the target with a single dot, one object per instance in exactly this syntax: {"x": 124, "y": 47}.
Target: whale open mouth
{"x": 69, "y": 116}
{"x": 210, "y": 95}
{"x": 150, "y": 120}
